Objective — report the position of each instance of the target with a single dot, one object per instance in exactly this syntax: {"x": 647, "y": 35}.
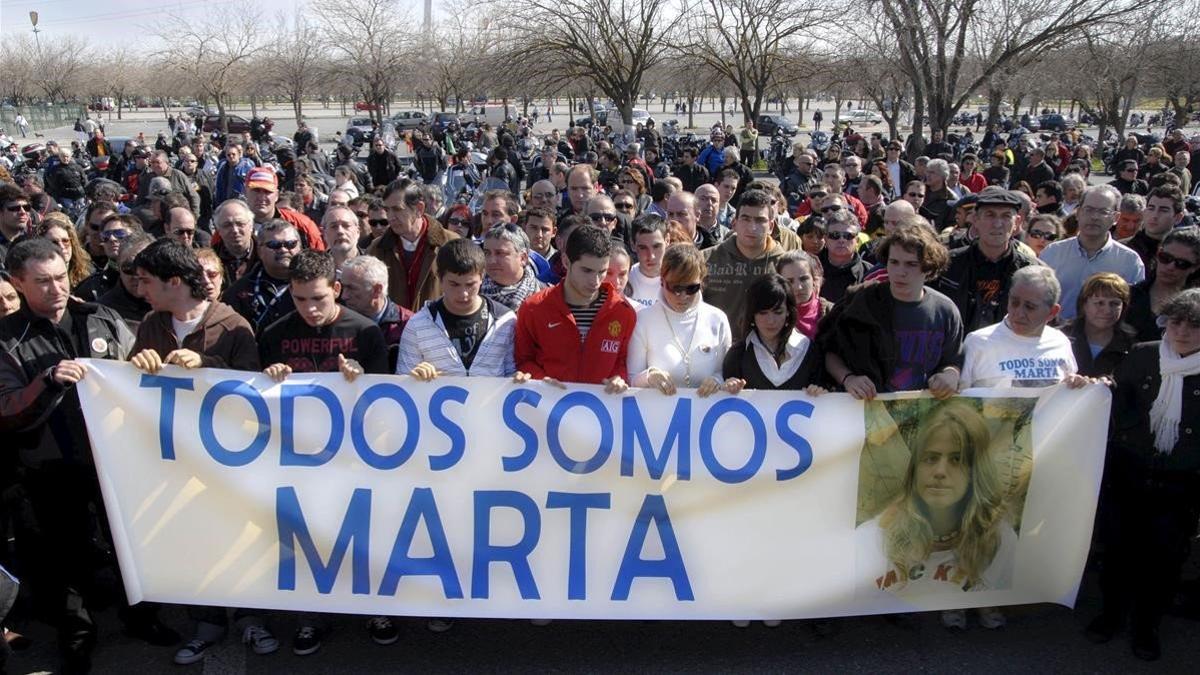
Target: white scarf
{"x": 1168, "y": 407}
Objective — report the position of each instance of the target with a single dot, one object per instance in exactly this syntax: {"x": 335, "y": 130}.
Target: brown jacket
{"x": 223, "y": 339}
{"x": 427, "y": 287}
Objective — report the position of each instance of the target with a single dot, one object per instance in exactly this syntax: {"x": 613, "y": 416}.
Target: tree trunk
{"x": 691, "y": 111}
{"x": 995, "y": 96}
{"x": 298, "y": 108}
{"x": 253, "y": 105}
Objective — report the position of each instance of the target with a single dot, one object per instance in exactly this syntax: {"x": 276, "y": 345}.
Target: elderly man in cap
{"x": 1127, "y": 181}
{"x": 979, "y": 276}
{"x": 262, "y": 195}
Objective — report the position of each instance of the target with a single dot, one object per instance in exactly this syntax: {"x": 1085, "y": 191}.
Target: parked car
{"x": 586, "y": 121}
{"x": 363, "y": 106}
{"x": 237, "y": 124}
{"x": 359, "y": 130}
{"x": 767, "y": 125}
{"x": 864, "y": 117}
{"x": 1055, "y": 122}
{"x": 408, "y": 119}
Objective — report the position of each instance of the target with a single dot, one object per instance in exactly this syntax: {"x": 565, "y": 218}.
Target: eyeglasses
{"x": 378, "y": 222}
{"x": 1039, "y": 234}
{"x": 598, "y": 217}
{"x": 117, "y": 235}
{"x": 18, "y": 207}
{"x": 185, "y": 233}
{"x": 689, "y": 289}
{"x": 846, "y": 236}
{"x": 277, "y": 244}
{"x": 1093, "y": 211}
{"x": 1180, "y": 264}
{"x": 832, "y": 208}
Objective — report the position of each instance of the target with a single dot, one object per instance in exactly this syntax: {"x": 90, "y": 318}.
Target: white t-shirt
{"x": 937, "y": 575}
{"x": 644, "y": 290}
{"x": 998, "y": 357}
{"x": 183, "y": 329}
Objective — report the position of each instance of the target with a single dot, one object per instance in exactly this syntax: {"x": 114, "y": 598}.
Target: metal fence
{"x": 40, "y": 116}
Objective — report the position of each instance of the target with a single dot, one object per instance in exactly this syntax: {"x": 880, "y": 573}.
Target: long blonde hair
{"x": 908, "y": 534}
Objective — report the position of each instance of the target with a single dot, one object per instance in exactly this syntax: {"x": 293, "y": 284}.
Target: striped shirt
{"x": 585, "y": 315}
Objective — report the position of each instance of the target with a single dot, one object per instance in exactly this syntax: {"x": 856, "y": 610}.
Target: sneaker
{"x": 307, "y": 641}
{"x": 541, "y": 622}
{"x": 991, "y": 618}
{"x": 772, "y": 623}
{"x": 741, "y": 623}
{"x": 439, "y": 625}
{"x": 260, "y": 640}
{"x": 382, "y": 630}
{"x": 955, "y": 619}
{"x": 192, "y": 652}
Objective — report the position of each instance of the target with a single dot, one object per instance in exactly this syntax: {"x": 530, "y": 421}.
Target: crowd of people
{"x": 905, "y": 276}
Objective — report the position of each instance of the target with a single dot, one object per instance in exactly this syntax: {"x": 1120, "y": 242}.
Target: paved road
{"x": 1041, "y": 638}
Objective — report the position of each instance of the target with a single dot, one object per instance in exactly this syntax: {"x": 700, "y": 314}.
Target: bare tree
{"x": 296, "y": 62}
{"x": 59, "y": 70}
{"x": 1116, "y": 66}
{"x": 219, "y": 48}
{"x": 370, "y": 41}
{"x": 747, "y": 41}
{"x": 17, "y": 81}
{"x": 935, "y": 41}
{"x": 613, "y": 44}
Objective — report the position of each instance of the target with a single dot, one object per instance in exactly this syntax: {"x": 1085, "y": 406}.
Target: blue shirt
{"x": 1073, "y": 266}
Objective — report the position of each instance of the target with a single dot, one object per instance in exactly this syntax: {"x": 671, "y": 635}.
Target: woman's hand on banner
{"x": 734, "y": 385}
{"x": 815, "y": 390}
{"x": 426, "y": 372}
{"x": 661, "y": 380}
{"x": 147, "y": 361}
{"x": 278, "y": 371}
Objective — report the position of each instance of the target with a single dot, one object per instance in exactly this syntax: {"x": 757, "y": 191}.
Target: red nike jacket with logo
{"x": 548, "y": 342}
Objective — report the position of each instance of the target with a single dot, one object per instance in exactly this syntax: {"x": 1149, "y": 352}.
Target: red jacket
{"x": 548, "y": 344}
{"x": 310, "y": 234}
{"x": 976, "y": 182}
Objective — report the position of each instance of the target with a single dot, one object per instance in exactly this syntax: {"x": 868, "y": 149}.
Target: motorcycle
{"x": 779, "y": 155}
{"x": 819, "y": 141}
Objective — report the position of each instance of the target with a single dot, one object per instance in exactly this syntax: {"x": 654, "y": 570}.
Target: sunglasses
{"x": 378, "y": 222}
{"x": 598, "y": 217}
{"x": 18, "y": 207}
{"x": 832, "y": 208}
{"x": 846, "y": 236}
{"x": 689, "y": 289}
{"x": 118, "y": 235}
{"x": 1180, "y": 264}
{"x": 456, "y": 221}
{"x": 289, "y": 244}
{"x": 624, "y": 206}
{"x": 1038, "y": 234}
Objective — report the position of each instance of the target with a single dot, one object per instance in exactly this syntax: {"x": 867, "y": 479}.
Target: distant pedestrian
{"x": 22, "y": 124}
{"x": 816, "y": 118}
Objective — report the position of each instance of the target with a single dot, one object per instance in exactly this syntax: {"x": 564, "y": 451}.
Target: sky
{"x": 117, "y": 21}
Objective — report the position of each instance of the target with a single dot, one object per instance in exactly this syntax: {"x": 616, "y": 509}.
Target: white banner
{"x": 476, "y": 497}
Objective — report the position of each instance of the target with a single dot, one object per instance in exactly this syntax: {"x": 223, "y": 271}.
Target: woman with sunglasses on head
{"x": 634, "y": 181}
{"x": 680, "y": 340}
{"x": 1174, "y": 270}
{"x": 1044, "y": 229}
